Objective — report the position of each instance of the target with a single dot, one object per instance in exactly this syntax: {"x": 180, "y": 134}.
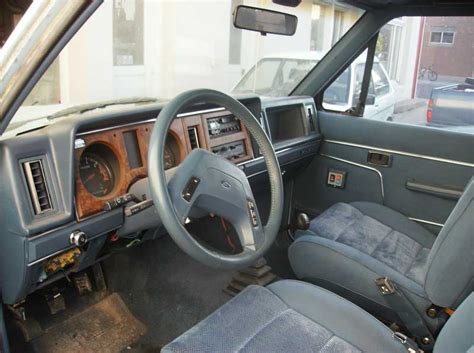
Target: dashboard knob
{"x": 78, "y": 238}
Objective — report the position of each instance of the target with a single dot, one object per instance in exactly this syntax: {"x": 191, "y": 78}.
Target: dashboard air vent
{"x": 193, "y": 137}
{"x": 39, "y": 193}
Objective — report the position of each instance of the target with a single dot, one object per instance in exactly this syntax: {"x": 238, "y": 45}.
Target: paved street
{"x": 424, "y": 86}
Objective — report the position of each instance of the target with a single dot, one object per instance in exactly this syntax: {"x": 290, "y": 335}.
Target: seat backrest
{"x": 457, "y": 334}
{"x": 450, "y": 272}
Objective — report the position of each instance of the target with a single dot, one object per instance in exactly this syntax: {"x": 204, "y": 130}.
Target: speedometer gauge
{"x": 96, "y": 174}
{"x": 170, "y": 160}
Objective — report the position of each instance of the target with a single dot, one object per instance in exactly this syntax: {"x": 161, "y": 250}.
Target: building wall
{"x": 184, "y": 45}
{"x": 187, "y": 44}
{"x": 450, "y": 60}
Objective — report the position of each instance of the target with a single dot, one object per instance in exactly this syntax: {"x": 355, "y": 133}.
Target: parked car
{"x": 279, "y": 74}
{"x": 452, "y": 105}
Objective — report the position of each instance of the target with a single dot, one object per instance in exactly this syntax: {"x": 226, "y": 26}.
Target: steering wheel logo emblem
{"x": 226, "y": 184}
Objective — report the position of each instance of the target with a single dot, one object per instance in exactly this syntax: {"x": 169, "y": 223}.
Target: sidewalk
{"x": 409, "y": 104}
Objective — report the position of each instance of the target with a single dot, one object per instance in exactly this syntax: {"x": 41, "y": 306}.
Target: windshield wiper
{"x": 82, "y": 108}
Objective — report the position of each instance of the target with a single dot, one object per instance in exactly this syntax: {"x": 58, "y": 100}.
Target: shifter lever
{"x": 302, "y": 221}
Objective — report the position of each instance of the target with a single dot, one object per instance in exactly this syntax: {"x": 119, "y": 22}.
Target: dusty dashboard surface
{"x": 108, "y": 161}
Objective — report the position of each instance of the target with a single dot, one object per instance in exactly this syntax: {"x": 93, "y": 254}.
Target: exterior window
{"x": 442, "y": 37}
{"x": 338, "y": 27}
{"x": 380, "y": 81}
{"x": 128, "y": 32}
{"x": 317, "y": 26}
{"x": 421, "y": 75}
{"x": 235, "y": 37}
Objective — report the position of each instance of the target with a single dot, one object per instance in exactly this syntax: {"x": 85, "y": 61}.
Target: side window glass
{"x": 423, "y": 74}
{"x": 381, "y": 84}
{"x": 359, "y": 76}
{"x": 336, "y": 96}
{"x": 343, "y": 94}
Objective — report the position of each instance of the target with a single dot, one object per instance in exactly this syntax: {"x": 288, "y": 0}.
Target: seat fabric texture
{"x": 349, "y": 246}
{"x": 380, "y": 233}
{"x": 457, "y": 336}
{"x": 287, "y": 316}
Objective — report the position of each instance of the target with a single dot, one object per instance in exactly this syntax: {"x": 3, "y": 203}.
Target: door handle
{"x": 380, "y": 159}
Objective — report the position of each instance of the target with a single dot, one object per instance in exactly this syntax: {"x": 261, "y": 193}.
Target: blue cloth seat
{"x": 294, "y": 316}
{"x": 349, "y": 246}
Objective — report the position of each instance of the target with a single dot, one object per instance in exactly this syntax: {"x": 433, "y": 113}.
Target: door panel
{"x": 438, "y": 163}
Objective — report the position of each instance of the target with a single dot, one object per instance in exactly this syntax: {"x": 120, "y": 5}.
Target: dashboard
{"x": 108, "y": 161}
{"x": 66, "y": 187}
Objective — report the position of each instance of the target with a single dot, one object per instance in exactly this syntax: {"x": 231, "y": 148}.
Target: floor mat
{"x": 106, "y": 327}
{"x": 166, "y": 289}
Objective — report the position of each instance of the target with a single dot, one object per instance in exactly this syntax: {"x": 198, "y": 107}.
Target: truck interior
{"x": 209, "y": 221}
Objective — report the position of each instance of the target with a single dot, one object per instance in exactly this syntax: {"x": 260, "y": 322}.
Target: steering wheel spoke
{"x": 250, "y": 229}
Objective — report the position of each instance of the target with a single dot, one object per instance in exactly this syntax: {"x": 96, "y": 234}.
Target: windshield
{"x": 157, "y": 49}
{"x": 274, "y": 76}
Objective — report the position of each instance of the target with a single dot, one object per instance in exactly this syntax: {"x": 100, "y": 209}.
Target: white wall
{"x": 186, "y": 45}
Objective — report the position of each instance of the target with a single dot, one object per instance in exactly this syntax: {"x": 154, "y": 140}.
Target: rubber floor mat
{"x": 106, "y": 327}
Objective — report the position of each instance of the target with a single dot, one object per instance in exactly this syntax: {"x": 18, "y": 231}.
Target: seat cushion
{"x": 349, "y": 246}
{"x": 380, "y": 233}
{"x": 287, "y": 316}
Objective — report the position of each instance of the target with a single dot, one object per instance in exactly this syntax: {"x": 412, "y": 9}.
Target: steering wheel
{"x": 212, "y": 184}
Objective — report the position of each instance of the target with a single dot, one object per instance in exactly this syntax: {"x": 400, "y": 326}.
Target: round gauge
{"x": 96, "y": 174}
{"x": 170, "y": 160}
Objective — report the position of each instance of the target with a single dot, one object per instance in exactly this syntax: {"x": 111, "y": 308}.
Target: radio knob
{"x": 78, "y": 238}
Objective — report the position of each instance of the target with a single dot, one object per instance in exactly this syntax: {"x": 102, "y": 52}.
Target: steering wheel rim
{"x": 164, "y": 191}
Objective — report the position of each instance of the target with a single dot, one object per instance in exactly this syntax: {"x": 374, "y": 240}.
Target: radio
{"x": 223, "y": 125}
{"x": 231, "y": 151}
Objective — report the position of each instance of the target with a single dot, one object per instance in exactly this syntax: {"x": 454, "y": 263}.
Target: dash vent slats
{"x": 37, "y": 186}
{"x": 193, "y": 137}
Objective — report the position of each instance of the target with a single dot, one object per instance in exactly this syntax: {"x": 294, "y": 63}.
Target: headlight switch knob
{"x": 78, "y": 238}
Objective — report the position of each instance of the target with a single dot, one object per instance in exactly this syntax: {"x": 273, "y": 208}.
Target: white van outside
{"x": 278, "y": 75}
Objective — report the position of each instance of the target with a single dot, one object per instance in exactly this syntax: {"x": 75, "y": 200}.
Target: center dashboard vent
{"x": 193, "y": 137}
{"x": 40, "y": 197}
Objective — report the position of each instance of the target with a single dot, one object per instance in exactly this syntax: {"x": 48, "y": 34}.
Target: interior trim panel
{"x": 415, "y": 155}
{"x": 441, "y": 225}
{"x": 382, "y": 192}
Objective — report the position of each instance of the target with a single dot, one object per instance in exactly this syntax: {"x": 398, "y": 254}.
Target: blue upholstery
{"x": 346, "y": 224}
{"x": 450, "y": 274}
{"x": 457, "y": 335}
{"x": 287, "y": 316}
{"x": 350, "y": 245}
{"x": 293, "y": 316}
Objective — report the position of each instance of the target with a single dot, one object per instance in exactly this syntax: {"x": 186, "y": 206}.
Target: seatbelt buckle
{"x": 386, "y": 286}
{"x": 409, "y": 344}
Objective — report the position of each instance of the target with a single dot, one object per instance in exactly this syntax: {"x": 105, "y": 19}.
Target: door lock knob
{"x": 78, "y": 238}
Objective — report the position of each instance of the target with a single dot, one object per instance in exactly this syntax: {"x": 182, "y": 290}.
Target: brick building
{"x": 448, "y": 46}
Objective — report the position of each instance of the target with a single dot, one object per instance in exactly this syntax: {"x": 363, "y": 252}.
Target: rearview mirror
{"x": 264, "y": 21}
